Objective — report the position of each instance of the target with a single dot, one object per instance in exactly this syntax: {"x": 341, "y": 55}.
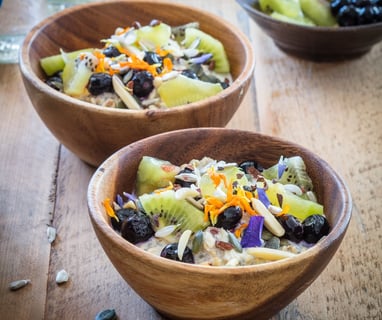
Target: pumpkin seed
{"x": 108, "y": 314}
{"x": 62, "y": 276}
{"x": 18, "y": 284}
{"x": 51, "y": 233}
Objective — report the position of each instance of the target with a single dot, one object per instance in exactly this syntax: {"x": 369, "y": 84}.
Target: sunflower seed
{"x": 62, "y": 276}
{"x": 108, "y": 314}
{"x": 18, "y": 284}
{"x": 51, "y": 233}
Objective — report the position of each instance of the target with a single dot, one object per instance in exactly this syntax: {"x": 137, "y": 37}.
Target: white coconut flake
{"x": 311, "y": 196}
{"x": 183, "y": 193}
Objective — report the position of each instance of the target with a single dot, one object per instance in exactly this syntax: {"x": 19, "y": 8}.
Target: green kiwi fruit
{"x": 164, "y": 209}
{"x": 303, "y": 20}
{"x": 153, "y": 174}
{"x": 182, "y": 90}
{"x": 289, "y": 8}
{"x": 294, "y": 173}
{"x": 319, "y": 12}
{"x": 156, "y": 35}
{"x": 209, "y": 44}
{"x": 298, "y": 207}
{"x": 56, "y": 63}
{"x": 75, "y": 78}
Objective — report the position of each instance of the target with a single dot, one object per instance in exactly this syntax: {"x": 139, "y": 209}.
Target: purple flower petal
{"x": 119, "y": 200}
{"x": 281, "y": 166}
{"x": 201, "y": 59}
{"x": 130, "y": 196}
{"x": 263, "y": 197}
{"x": 252, "y": 235}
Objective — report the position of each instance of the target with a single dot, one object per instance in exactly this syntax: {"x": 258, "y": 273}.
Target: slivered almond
{"x": 270, "y": 221}
{"x": 269, "y": 254}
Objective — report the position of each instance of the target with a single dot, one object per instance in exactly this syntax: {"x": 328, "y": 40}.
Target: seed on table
{"x": 108, "y": 314}
{"x": 18, "y": 284}
{"x": 62, "y": 276}
{"x": 51, "y": 233}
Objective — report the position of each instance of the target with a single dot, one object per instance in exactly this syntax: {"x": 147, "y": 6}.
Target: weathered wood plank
{"x": 28, "y": 157}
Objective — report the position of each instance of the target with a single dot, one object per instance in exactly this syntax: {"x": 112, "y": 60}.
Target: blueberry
{"x": 111, "y": 52}
{"x": 315, "y": 227}
{"x": 142, "y": 83}
{"x": 55, "y": 82}
{"x": 294, "y": 230}
{"x": 122, "y": 215}
{"x": 366, "y": 15}
{"x": 336, "y": 5}
{"x": 100, "y": 83}
{"x": 152, "y": 58}
{"x": 348, "y": 16}
{"x": 229, "y": 218}
{"x": 137, "y": 228}
{"x": 170, "y": 251}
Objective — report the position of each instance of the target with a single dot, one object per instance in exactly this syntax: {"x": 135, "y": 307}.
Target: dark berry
{"x": 315, "y": 227}
{"x": 366, "y": 15}
{"x": 137, "y": 228}
{"x": 152, "y": 58}
{"x": 170, "y": 251}
{"x": 251, "y": 167}
{"x": 55, "y": 82}
{"x": 100, "y": 83}
{"x": 122, "y": 215}
{"x": 348, "y": 16}
{"x": 142, "y": 83}
{"x": 294, "y": 230}
{"x": 111, "y": 52}
{"x": 360, "y": 3}
{"x": 377, "y": 13}
{"x": 229, "y": 218}
{"x": 190, "y": 74}
{"x": 336, "y": 5}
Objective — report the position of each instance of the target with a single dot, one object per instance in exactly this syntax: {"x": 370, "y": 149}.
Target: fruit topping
{"x": 315, "y": 227}
{"x": 229, "y": 218}
{"x": 99, "y": 83}
{"x": 170, "y": 251}
{"x": 137, "y": 228}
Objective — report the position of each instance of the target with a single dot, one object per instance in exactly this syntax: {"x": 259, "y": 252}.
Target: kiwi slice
{"x": 156, "y": 35}
{"x": 164, "y": 209}
{"x": 298, "y": 207}
{"x": 232, "y": 174}
{"x": 303, "y": 20}
{"x": 318, "y": 11}
{"x": 289, "y": 8}
{"x": 182, "y": 90}
{"x": 75, "y": 78}
{"x": 153, "y": 174}
{"x": 294, "y": 173}
{"x": 56, "y": 63}
{"x": 209, "y": 44}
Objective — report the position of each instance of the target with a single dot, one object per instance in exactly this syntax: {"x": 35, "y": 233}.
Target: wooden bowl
{"x": 93, "y": 133}
{"x": 315, "y": 43}
{"x": 184, "y": 291}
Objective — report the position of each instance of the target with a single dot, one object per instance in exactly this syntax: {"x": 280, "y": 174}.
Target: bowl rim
{"x": 238, "y": 82}
{"x": 246, "y": 5}
{"x": 94, "y": 210}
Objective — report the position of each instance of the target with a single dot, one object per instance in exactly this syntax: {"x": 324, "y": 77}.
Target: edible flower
{"x": 109, "y": 209}
{"x": 252, "y": 234}
{"x": 263, "y": 197}
{"x": 281, "y": 166}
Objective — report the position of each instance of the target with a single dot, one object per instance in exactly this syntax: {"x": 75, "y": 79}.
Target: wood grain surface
{"x": 333, "y": 109}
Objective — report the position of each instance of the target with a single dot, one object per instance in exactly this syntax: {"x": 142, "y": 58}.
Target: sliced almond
{"x": 269, "y": 254}
{"x": 125, "y": 95}
{"x": 270, "y": 221}
{"x": 183, "y": 240}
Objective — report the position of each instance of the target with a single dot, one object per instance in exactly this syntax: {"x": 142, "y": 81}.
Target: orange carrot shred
{"x": 109, "y": 209}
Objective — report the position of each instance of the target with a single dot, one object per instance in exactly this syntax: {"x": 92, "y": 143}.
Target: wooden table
{"x": 334, "y": 109}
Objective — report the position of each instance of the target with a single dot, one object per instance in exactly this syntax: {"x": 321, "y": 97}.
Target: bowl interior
{"x": 246, "y": 284}
{"x": 315, "y": 43}
{"x": 84, "y": 26}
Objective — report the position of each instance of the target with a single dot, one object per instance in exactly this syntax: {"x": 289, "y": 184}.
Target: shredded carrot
{"x": 161, "y": 52}
{"x": 240, "y": 229}
{"x": 167, "y": 66}
{"x": 285, "y": 210}
{"x": 109, "y": 209}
